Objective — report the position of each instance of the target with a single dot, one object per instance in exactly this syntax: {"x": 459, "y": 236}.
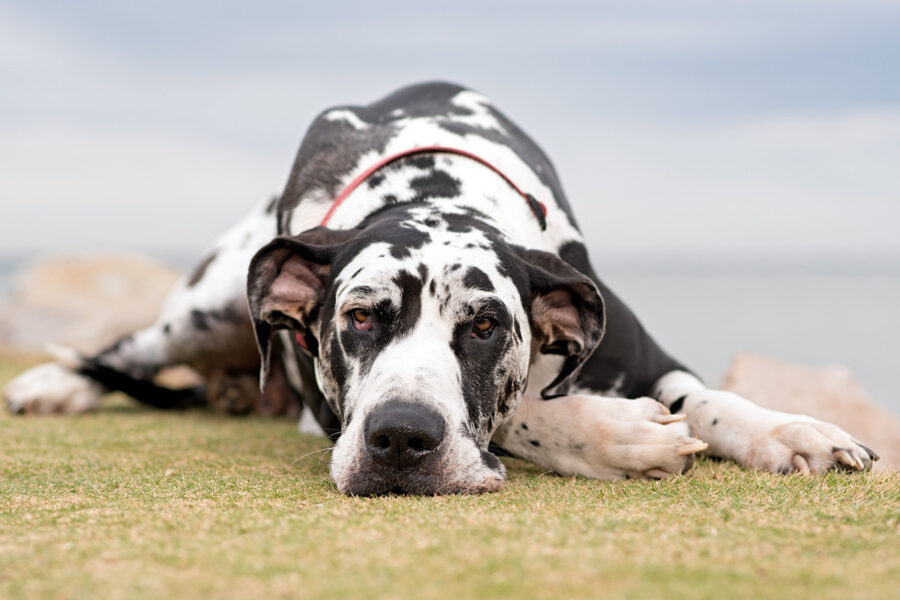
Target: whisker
{"x": 329, "y": 449}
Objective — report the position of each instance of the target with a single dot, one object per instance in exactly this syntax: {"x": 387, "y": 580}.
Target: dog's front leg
{"x": 756, "y": 437}
{"x": 598, "y": 437}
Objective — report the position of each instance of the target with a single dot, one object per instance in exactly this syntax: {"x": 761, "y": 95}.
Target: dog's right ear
{"x": 286, "y": 285}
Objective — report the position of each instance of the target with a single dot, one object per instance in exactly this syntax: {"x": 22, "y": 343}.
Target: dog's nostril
{"x": 417, "y": 444}
{"x": 383, "y": 442}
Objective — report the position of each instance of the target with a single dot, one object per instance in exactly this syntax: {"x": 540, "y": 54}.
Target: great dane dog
{"x": 422, "y": 289}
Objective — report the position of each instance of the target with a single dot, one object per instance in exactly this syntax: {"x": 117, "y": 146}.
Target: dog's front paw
{"x": 808, "y": 447}
{"x": 51, "y": 388}
{"x": 646, "y": 449}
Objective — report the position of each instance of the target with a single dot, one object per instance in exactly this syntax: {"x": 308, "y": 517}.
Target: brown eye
{"x": 361, "y": 319}
{"x": 483, "y": 328}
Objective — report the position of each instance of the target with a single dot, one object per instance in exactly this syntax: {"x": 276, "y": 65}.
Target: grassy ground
{"x": 129, "y": 503}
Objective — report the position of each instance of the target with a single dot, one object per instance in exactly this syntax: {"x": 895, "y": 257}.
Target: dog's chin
{"x": 373, "y": 480}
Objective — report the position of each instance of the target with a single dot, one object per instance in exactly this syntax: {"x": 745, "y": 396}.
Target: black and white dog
{"x": 428, "y": 293}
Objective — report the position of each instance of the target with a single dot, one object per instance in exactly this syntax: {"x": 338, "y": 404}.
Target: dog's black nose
{"x": 400, "y": 434}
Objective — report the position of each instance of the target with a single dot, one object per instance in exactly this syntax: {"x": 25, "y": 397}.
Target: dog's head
{"x": 423, "y": 325}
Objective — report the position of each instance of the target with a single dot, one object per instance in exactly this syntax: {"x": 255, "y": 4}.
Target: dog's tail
{"x": 115, "y": 380}
{"x": 143, "y": 390}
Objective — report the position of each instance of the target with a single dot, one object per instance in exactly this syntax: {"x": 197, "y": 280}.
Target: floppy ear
{"x": 567, "y": 315}
{"x": 286, "y": 285}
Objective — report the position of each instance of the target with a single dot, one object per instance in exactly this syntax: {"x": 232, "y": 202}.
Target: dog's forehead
{"x": 446, "y": 258}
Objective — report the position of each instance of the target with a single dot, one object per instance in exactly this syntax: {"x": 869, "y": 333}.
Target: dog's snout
{"x": 400, "y": 434}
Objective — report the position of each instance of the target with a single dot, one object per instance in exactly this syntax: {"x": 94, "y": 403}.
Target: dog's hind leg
{"x": 204, "y": 324}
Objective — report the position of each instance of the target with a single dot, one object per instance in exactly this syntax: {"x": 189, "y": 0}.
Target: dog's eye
{"x": 483, "y": 328}
{"x": 361, "y": 319}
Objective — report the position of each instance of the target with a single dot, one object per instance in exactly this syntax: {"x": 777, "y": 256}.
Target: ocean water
{"x": 703, "y": 316}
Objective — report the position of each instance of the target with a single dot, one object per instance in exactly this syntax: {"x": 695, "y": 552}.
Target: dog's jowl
{"x": 422, "y": 290}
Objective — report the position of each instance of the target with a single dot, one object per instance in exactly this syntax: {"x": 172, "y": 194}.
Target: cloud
{"x": 86, "y": 189}
{"x": 712, "y": 128}
{"x": 771, "y": 184}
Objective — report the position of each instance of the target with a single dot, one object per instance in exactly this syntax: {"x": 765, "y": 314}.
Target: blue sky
{"x": 696, "y": 128}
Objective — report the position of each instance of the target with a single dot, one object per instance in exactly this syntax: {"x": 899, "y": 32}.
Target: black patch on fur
{"x": 410, "y": 303}
{"x": 476, "y": 279}
{"x": 715, "y": 421}
{"x": 535, "y": 443}
{"x": 490, "y": 461}
{"x": 421, "y": 161}
{"x": 436, "y": 184}
{"x": 375, "y": 180}
{"x": 486, "y": 388}
{"x": 199, "y": 320}
{"x": 431, "y": 287}
{"x": 338, "y": 367}
{"x": 406, "y": 239}
{"x": 472, "y": 220}
{"x": 524, "y": 426}
{"x": 167, "y": 328}
{"x": 677, "y": 405}
{"x": 200, "y": 270}
{"x": 398, "y": 251}
{"x": 497, "y": 450}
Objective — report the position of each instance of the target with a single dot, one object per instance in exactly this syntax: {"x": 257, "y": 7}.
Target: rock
{"x": 84, "y": 303}
{"x": 827, "y": 393}
{"x": 88, "y": 302}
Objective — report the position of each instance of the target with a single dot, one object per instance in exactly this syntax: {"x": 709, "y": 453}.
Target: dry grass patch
{"x": 130, "y": 503}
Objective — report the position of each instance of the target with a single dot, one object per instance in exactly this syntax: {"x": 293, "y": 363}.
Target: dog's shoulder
{"x": 340, "y": 136}
{"x": 344, "y": 139}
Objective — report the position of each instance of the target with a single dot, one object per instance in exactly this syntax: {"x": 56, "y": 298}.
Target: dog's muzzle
{"x": 407, "y": 447}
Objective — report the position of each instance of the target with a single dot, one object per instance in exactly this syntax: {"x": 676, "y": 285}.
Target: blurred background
{"x": 735, "y": 165}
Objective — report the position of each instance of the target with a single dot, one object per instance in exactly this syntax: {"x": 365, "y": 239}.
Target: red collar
{"x": 538, "y": 208}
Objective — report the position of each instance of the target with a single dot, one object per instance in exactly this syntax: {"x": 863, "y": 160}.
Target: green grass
{"x": 129, "y": 503}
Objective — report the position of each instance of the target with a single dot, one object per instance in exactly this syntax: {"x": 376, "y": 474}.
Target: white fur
{"x": 478, "y": 104}
{"x": 758, "y": 437}
{"x": 347, "y": 116}
{"x": 602, "y": 438}
{"x": 51, "y": 388}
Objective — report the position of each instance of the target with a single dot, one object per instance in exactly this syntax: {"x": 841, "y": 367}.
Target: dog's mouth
{"x": 435, "y": 479}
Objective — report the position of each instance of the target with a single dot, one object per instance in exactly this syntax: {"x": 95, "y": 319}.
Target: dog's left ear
{"x": 567, "y": 315}
{"x": 286, "y": 285}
